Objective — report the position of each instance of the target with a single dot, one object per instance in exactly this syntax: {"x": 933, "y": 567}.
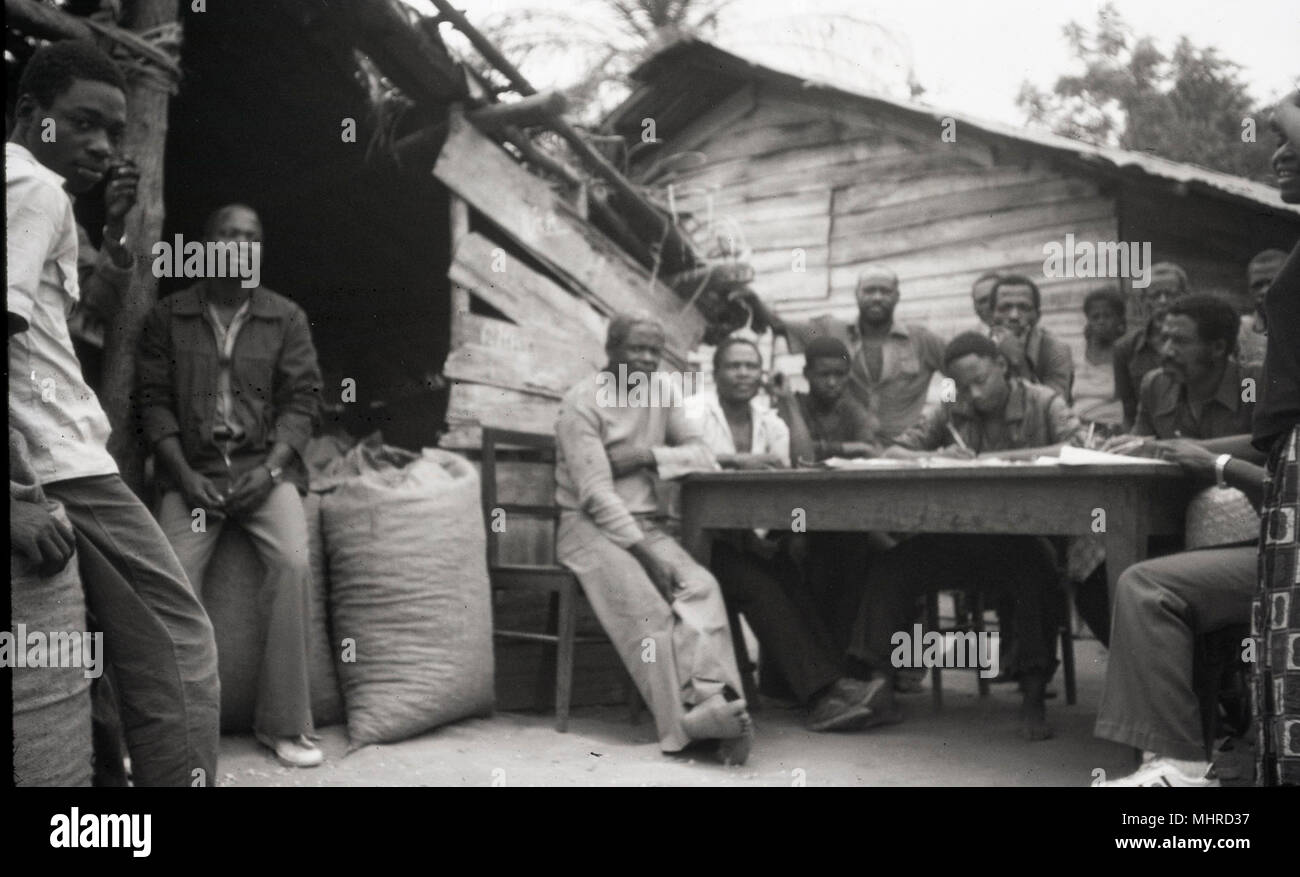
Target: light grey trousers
{"x": 1161, "y": 606}
{"x": 678, "y": 653}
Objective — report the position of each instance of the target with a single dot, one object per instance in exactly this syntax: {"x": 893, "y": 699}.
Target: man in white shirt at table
{"x": 757, "y": 578}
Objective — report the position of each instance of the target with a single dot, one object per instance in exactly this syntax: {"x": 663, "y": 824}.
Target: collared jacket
{"x": 1165, "y": 412}
{"x": 275, "y": 381}
{"x": 1034, "y": 416}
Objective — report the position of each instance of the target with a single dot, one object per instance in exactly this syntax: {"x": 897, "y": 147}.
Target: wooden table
{"x": 1139, "y": 500}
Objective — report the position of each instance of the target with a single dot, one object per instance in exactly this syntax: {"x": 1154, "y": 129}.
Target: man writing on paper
{"x": 994, "y": 415}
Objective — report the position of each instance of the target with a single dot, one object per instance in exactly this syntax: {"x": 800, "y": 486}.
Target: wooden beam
{"x": 676, "y": 248}
{"x": 538, "y": 109}
{"x": 145, "y": 141}
{"x": 38, "y": 20}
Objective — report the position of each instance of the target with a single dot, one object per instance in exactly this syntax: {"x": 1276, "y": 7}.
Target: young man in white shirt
{"x": 70, "y": 115}
{"x": 756, "y": 579}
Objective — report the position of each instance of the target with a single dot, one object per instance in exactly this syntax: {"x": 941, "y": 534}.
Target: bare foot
{"x": 736, "y": 749}
{"x": 1033, "y": 721}
{"x": 716, "y": 718}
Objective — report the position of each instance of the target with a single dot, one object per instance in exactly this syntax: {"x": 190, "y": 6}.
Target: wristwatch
{"x": 1220, "y": 464}
{"x": 275, "y": 473}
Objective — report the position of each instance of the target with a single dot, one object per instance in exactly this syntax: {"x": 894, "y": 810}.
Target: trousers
{"x": 157, "y": 638}
{"x": 1161, "y": 606}
{"x": 278, "y": 531}
{"x": 1018, "y": 568}
{"x": 766, "y": 593}
{"x": 677, "y": 648}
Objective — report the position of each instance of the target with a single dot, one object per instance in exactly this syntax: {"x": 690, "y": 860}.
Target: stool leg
{"x": 743, "y": 663}
{"x": 977, "y": 625}
{"x": 568, "y": 622}
{"x": 1067, "y": 664}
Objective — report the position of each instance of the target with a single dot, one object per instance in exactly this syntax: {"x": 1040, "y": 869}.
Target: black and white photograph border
{"x": 626, "y": 393}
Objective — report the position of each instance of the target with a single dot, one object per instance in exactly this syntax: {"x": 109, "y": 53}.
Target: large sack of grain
{"x": 51, "y": 705}
{"x": 409, "y": 594}
{"x": 326, "y": 699}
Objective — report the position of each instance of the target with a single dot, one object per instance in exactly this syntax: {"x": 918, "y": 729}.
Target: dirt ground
{"x": 969, "y": 742}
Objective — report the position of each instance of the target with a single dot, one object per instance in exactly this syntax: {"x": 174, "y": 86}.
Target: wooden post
{"x": 145, "y": 142}
{"x": 459, "y": 228}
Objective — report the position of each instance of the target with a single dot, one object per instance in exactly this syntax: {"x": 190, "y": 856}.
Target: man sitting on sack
{"x": 229, "y": 389}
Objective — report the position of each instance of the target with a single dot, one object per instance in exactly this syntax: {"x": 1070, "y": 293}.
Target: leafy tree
{"x": 1188, "y": 106}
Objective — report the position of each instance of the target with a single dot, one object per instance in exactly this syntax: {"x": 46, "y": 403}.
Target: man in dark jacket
{"x": 229, "y": 390}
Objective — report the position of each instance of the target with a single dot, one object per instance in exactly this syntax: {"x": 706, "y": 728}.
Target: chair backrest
{"x": 518, "y": 491}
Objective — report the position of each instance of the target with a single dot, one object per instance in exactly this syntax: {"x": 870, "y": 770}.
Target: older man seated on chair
{"x": 757, "y": 579}
{"x": 616, "y": 431}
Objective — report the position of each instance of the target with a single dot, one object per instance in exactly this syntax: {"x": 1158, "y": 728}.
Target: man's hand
{"x": 750, "y": 461}
{"x": 120, "y": 193}
{"x": 660, "y": 573}
{"x": 39, "y": 536}
{"x": 1129, "y": 445}
{"x": 250, "y": 490}
{"x": 200, "y": 493}
{"x": 1195, "y": 460}
{"x": 858, "y": 449}
{"x": 625, "y": 461}
{"x": 1012, "y": 347}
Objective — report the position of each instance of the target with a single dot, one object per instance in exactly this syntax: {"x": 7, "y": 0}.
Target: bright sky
{"x": 973, "y": 57}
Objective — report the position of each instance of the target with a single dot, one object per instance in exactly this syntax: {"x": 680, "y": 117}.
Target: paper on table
{"x": 1072, "y": 456}
{"x": 935, "y": 462}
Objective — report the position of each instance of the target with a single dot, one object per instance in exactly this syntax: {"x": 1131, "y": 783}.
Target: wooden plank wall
{"x": 556, "y": 303}
{"x": 848, "y": 188}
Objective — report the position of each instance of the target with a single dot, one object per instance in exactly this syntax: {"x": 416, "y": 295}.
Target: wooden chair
{"x": 542, "y": 577}
{"x": 976, "y": 624}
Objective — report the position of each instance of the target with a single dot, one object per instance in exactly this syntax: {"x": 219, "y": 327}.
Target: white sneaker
{"x": 293, "y": 751}
{"x": 1159, "y": 773}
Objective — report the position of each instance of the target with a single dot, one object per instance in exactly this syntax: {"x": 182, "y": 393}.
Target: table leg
{"x": 697, "y": 541}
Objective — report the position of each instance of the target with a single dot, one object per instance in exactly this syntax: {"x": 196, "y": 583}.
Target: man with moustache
{"x": 1033, "y": 352}
{"x": 892, "y": 362}
{"x": 757, "y": 579}
{"x": 999, "y": 415}
{"x": 1252, "y": 339}
{"x": 1198, "y": 390}
{"x": 1137, "y": 353}
{"x": 650, "y": 595}
{"x": 158, "y": 639}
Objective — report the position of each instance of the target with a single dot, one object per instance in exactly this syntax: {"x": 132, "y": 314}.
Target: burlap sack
{"x": 410, "y": 601}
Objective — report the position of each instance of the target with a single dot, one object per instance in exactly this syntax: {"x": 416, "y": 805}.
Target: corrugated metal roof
{"x": 1188, "y": 177}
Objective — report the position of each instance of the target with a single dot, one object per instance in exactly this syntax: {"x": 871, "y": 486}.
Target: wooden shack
{"x": 818, "y": 181}
{"x": 458, "y": 273}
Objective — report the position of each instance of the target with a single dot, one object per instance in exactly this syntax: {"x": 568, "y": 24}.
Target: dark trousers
{"x": 835, "y": 572}
{"x": 1161, "y": 606}
{"x": 767, "y": 593}
{"x": 1018, "y": 568}
{"x": 157, "y": 638}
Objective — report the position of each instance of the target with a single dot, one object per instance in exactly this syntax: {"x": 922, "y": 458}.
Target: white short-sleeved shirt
{"x": 49, "y": 401}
